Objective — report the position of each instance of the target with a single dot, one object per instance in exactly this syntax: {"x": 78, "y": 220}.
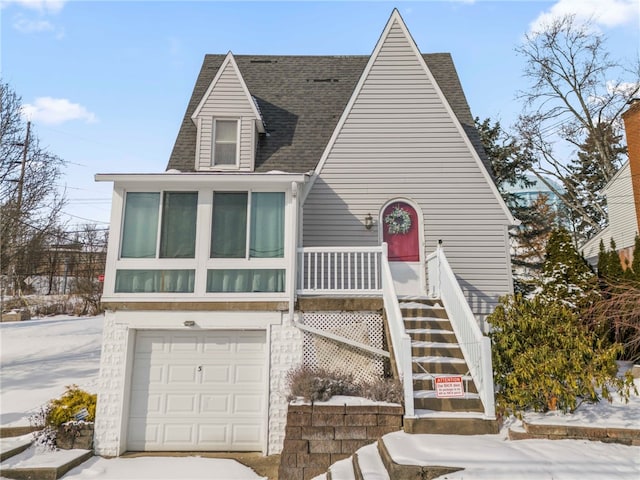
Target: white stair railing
{"x": 339, "y": 270}
{"x": 400, "y": 339}
{"x": 475, "y": 347}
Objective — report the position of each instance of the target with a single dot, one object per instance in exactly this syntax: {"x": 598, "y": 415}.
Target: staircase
{"x": 19, "y": 459}
{"x": 435, "y": 351}
{"x": 375, "y": 462}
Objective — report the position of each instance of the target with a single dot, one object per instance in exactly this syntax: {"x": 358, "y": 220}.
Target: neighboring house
{"x": 623, "y": 198}
{"x": 261, "y": 246}
{"x": 528, "y": 194}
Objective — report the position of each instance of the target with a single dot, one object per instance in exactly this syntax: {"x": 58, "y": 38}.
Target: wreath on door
{"x": 398, "y": 221}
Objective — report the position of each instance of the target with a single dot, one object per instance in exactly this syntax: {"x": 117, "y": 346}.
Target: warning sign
{"x": 449, "y": 386}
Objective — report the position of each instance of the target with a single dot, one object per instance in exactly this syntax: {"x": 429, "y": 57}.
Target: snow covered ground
{"x": 38, "y": 358}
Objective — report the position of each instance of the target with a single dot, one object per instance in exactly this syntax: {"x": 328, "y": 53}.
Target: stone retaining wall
{"x": 318, "y": 435}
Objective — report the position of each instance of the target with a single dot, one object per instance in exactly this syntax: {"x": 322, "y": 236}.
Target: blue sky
{"x": 106, "y": 83}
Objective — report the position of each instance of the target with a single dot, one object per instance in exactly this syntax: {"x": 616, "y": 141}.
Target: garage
{"x": 198, "y": 391}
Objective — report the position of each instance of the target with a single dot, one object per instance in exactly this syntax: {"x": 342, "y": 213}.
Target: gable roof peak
{"x": 229, "y": 61}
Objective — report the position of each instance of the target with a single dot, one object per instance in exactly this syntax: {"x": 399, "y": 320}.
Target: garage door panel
{"x": 141, "y": 406}
{"x": 144, "y": 373}
{"x": 181, "y": 404}
{"x": 245, "y": 434}
{"x": 215, "y": 404}
{"x": 216, "y": 374}
{"x": 250, "y": 344}
{"x": 150, "y": 344}
{"x": 203, "y": 391}
{"x": 214, "y": 434}
{"x": 183, "y": 374}
{"x": 247, "y": 404}
{"x": 221, "y": 344}
{"x": 183, "y": 343}
{"x": 249, "y": 374}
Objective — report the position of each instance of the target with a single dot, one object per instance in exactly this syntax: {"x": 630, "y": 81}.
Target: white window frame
{"x": 202, "y": 261}
{"x": 214, "y": 143}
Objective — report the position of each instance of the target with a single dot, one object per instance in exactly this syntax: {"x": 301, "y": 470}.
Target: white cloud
{"x": 48, "y": 6}
{"x": 608, "y": 13}
{"x": 24, "y": 25}
{"x": 54, "y": 111}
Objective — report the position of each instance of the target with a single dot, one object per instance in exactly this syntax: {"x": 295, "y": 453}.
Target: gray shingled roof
{"x": 301, "y": 99}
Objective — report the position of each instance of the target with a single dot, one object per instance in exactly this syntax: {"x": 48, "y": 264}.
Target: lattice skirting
{"x": 363, "y": 327}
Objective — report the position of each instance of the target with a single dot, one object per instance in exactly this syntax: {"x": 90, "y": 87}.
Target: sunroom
{"x": 202, "y": 237}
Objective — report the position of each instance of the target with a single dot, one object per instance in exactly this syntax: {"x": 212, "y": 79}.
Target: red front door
{"x": 400, "y": 230}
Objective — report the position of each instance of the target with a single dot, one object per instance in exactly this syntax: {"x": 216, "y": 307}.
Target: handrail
{"x": 339, "y": 270}
{"x": 400, "y": 339}
{"x": 475, "y": 347}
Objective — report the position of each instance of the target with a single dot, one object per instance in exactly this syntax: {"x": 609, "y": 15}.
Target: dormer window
{"x": 225, "y": 144}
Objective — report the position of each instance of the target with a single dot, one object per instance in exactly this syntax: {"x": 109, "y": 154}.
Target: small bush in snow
{"x": 317, "y": 384}
{"x": 65, "y": 408}
{"x": 62, "y": 412}
{"x": 383, "y": 390}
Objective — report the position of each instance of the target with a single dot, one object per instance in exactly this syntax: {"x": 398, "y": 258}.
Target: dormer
{"x": 228, "y": 123}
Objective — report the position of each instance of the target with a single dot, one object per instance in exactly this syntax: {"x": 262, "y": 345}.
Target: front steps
{"x": 374, "y": 462}
{"x": 19, "y": 459}
{"x": 435, "y": 351}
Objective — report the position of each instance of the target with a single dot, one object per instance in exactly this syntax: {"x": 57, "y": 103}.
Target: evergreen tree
{"x": 615, "y": 267}
{"x": 603, "y": 261}
{"x": 566, "y": 276}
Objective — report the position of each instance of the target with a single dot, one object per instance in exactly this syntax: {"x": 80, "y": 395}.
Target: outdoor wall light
{"x": 368, "y": 221}
{"x": 189, "y": 323}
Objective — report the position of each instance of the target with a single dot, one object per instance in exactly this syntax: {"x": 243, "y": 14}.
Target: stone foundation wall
{"x": 320, "y": 435}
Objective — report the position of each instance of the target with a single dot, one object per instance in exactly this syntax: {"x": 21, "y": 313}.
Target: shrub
{"x": 544, "y": 358}
{"x": 383, "y": 390}
{"x": 62, "y": 411}
{"x": 617, "y": 314}
{"x": 65, "y": 408}
{"x": 318, "y": 384}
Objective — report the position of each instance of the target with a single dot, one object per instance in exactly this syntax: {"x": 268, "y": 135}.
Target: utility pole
{"x": 22, "y": 169}
{"x": 18, "y": 218}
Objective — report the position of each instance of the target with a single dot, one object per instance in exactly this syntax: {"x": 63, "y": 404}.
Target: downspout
{"x": 293, "y": 261}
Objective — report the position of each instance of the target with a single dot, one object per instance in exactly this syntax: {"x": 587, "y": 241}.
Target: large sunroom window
{"x": 237, "y": 219}
{"x": 178, "y": 226}
{"x": 248, "y": 226}
{"x": 141, "y": 238}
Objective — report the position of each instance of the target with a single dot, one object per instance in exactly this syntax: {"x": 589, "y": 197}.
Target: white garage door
{"x": 198, "y": 391}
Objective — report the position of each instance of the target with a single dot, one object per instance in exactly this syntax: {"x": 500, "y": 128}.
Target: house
{"x": 623, "y": 198}
{"x": 304, "y": 196}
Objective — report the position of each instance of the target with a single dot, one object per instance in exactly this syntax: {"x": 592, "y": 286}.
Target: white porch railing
{"x": 400, "y": 339}
{"x": 339, "y": 270}
{"x": 475, "y": 347}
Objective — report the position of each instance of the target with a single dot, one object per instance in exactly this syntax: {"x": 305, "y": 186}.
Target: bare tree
{"x": 90, "y": 263}
{"x": 576, "y": 95}
{"x": 30, "y": 200}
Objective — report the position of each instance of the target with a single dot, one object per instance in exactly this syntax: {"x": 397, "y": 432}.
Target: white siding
{"x": 228, "y": 100}
{"x": 399, "y": 141}
{"x": 622, "y": 210}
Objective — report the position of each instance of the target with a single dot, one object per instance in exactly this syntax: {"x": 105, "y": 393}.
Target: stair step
{"x": 368, "y": 465}
{"x": 342, "y": 470}
{"x": 420, "y": 303}
{"x": 437, "y": 365}
{"x": 468, "y": 403}
{"x": 451, "y": 423}
{"x": 424, "y": 312}
{"x": 12, "y": 446}
{"x": 50, "y": 465}
{"x": 432, "y": 335}
{"x": 429, "y": 323}
{"x": 402, "y": 471}
{"x": 435, "y": 349}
